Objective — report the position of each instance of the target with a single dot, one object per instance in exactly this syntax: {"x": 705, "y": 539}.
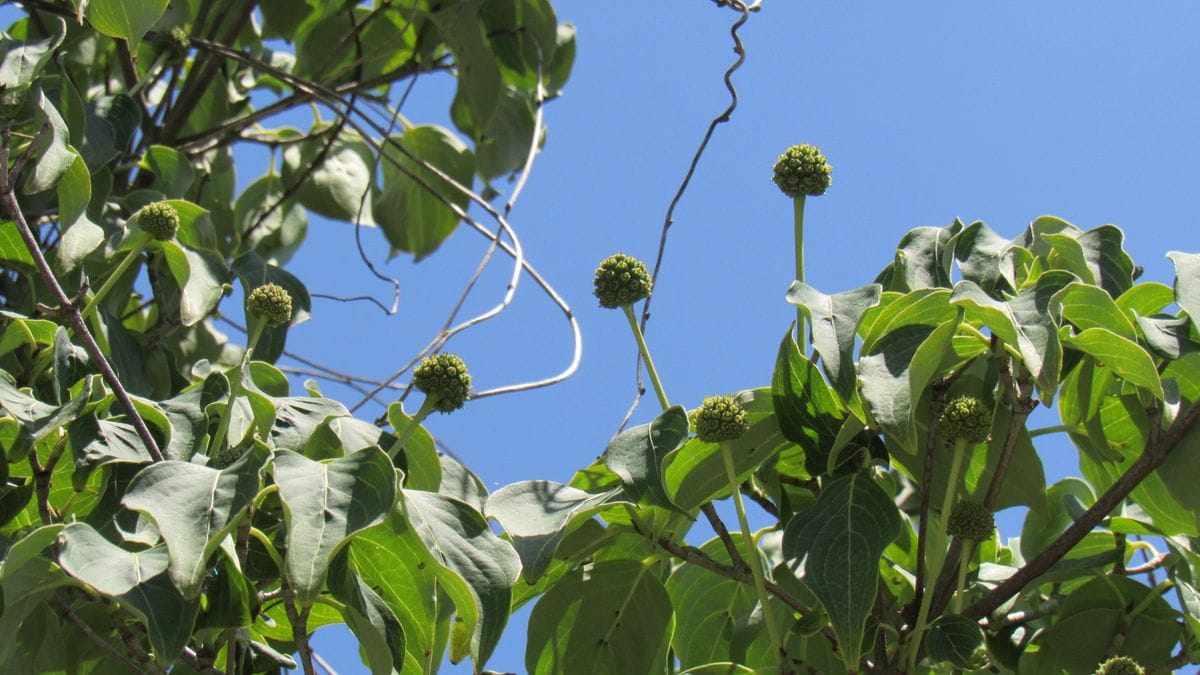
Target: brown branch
{"x": 64, "y": 610}
{"x": 67, "y": 308}
{"x": 1156, "y": 451}
{"x": 1021, "y": 403}
{"x": 718, "y": 526}
{"x": 690, "y": 554}
{"x": 764, "y": 502}
{"x": 1149, "y": 566}
{"x": 299, "y": 621}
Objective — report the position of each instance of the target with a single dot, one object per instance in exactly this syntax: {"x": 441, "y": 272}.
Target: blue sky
{"x": 998, "y": 112}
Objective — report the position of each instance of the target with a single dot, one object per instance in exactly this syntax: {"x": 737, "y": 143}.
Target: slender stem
{"x": 752, "y": 548}
{"x": 1033, "y": 433}
{"x": 64, "y": 610}
{"x": 798, "y": 239}
{"x": 650, "y": 370}
{"x": 963, "y": 562}
{"x": 139, "y": 244}
{"x": 427, "y": 406}
{"x": 960, "y": 449}
{"x": 235, "y": 390}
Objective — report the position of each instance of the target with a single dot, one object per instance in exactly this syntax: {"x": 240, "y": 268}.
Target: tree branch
{"x": 1151, "y": 458}
{"x": 67, "y": 307}
{"x": 64, "y": 610}
{"x": 690, "y": 554}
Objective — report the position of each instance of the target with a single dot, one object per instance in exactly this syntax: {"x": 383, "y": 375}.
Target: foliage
{"x": 167, "y": 498}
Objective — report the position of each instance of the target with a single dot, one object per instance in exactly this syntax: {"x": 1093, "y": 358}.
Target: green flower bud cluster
{"x": 803, "y": 170}
{"x": 1120, "y": 665}
{"x": 226, "y": 456}
{"x": 271, "y": 302}
{"x": 160, "y": 220}
{"x": 966, "y": 418}
{"x": 174, "y": 43}
{"x": 444, "y": 377}
{"x": 720, "y": 418}
{"x": 621, "y": 280}
{"x": 970, "y": 520}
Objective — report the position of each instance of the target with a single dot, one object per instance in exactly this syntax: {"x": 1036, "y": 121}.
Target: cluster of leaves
{"x": 845, "y": 455}
{"x": 164, "y": 495}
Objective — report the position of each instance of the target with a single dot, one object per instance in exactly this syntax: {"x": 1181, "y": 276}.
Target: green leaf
{"x": 96, "y": 442}
{"x": 415, "y": 209}
{"x": 1040, "y": 530}
{"x": 202, "y": 278}
{"x": 507, "y": 141}
{"x": 392, "y": 560}
{"x": 537, "y": 515}
{"x": 80, "y": 236}
{"x": 231, "y": 597}
{"x": 37, "y": 419}
{"x": 613, "y": 617}
{"x": 461, "y": 483}
{"x": 125, "y": 19}
{"x": 834, "y": 320}
{"x": 478, "y": 73}
{"x": 379, "y": 633}
{"x": 106, "y": 567}
{"x": 637, "y": 455}
{"x": 1125, "y": 357}
{"x": 477, "y": 569}
{"x": 27, "y": 548}
{"x": 23, "y": 60}
{"x": 898, "y": 371}
{"x": 326, "y": 503}
{"x": 924, "y": 306}
{"x": 839, "y": 541}
{"x": 1187, "y": 282}
{"x": 173, "y": 174}
{"x": 268, "y": 222}
{"x": 1023, "y": 322}
{"x": 419, "y": 456}
{"x": 52, "y": 156}
{"x": 979, "y": 251}
{"x": 1088, "y": 306}
{"x": 1146, "y": 299}
{"x": 336, "y": 185}
{"x": 297, "y": 418}
{"x": 523, "y": 35}
{"x": 954, "y": 639}
{"x": 695, "y": 474}
{"x": 194, "y": 507}
{"x": 809, "y": 414}
{"x": 1169, "y": 336}
{"x": 923, "y": 259}
{"x": 13, "y": 252}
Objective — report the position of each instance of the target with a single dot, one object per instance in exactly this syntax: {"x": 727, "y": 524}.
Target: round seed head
{"x": 621, "y": 280}
{"x": 160, "y": 220}
{"x": 966, "y": 417}
{"x": 803, "y": 170}
{"x": 174, "y": 43}
{"x": 1120, "y": 665}
{"x": 970, "y": 520}
{"x": 720, "y": 418}
{"x": 445, "y": 377}
{"x": 271, "y": 302}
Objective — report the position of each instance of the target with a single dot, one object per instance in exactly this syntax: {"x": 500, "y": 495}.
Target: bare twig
{"x": 690, "y": 554}
{"x": 299, "y": 620}
{"x": 669, "y": 218}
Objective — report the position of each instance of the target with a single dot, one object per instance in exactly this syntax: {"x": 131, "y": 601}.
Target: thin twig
{"x": 690, "y": 554}
{"x": 299, "y": 621}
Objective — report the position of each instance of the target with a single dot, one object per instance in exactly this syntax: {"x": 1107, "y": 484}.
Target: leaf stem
{"x": 650, "y": 370}
{"x": 798, "y": 241}
{"x": 139, "y": 245}
{"x": 752, "y": 548}
{"x": 235, "y": 389}
{"x": 427, "y": 406}
{"x": 1059, "y": 428}
{"x": 960, "y": 449}
{"x": 963, "y": 562}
